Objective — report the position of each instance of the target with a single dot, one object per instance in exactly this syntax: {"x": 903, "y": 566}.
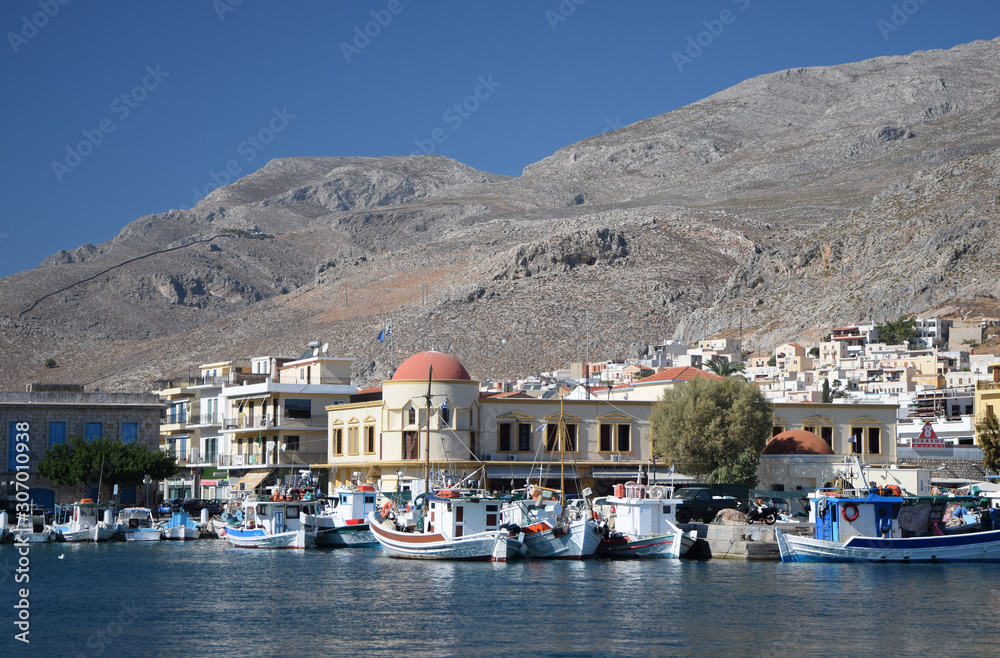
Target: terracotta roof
{"x": 680, "y": 374}
{"x": 508, "y": 394}
{"x": 417, "y": 366}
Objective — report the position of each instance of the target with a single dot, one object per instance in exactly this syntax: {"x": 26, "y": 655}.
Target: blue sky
{"x": 113, "y": 110}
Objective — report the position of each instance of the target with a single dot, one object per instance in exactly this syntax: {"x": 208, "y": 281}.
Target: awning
{"x": 521, "y": 471}
{"x": 250, "y": 481}
{"x": 626, "y": 473}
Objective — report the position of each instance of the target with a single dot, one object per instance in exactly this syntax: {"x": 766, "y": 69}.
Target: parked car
{"x": 168, "y": 506}
{"x": 193, "y": 506}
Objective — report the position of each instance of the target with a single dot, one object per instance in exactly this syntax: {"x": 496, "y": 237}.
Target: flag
{"x": 853, "y": 439}
{"x": 381, "y": 336}
{"x": 671, "y": 471}
{"x": 541, "y": 427}
{"x": 388, "y": 330}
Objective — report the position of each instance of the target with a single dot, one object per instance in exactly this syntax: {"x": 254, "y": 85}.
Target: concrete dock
{"x": 751, "y": 541}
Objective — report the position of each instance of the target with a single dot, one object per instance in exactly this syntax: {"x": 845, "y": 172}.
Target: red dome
{"x": 797, "y": 442}
{"x": 418, "y": 365}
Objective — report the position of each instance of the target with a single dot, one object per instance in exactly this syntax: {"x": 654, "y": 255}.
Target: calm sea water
{"x": 205, "y": 599}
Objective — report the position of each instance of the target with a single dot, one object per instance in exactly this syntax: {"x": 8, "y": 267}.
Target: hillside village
{"x": 245, "y": 425}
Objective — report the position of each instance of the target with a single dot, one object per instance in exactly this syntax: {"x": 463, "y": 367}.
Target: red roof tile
{"x": 680, "y": 374}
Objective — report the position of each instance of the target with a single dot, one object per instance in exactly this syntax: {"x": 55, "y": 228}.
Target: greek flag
{"x": 384, "y": 333}
{"x": 671, "y": 471}
{"x": 541, "y": 428}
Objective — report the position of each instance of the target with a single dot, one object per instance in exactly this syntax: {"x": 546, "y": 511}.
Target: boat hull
{"x": 33, "y": 537}
{"x": 181, "y": 533}
{"x": 578, "y": 540}
{"x": 96, "y": 533}
{"x": 484, "y": 546}
{"x": 299, "y": 539}
{"x": 973, "y": 547}
{"x": 144, "y": 534}
{"x": 653, "y": 546}
{"x": 356, "y": 536}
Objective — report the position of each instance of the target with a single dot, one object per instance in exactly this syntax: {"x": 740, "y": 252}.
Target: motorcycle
{"x": 759, "y": 511}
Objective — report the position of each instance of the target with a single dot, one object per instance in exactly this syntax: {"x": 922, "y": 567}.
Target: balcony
{"x": 286, "y": 458}
{"x": 987, "y": 386}
{"x": 245, "y": 422}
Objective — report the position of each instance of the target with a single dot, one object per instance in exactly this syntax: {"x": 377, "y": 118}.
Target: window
{"x": 503, "y": 437}
{"x": 57, "y": 434}
{"x": 857, "y": 440}
{"x": 93, "y": 431}
{"x": 607, "y": 438}
{"x": 615, "y": 437}
{"x": 411, "y": 445}
{"x": 211, "y": 448}
{"x": 411, "y": 416}
{"x": 809, "y": 428}
{"x": 776, "y": 430}
{"x": 369, "y": 439}
{"x": 826, "y": 433}
{"x": 624, "y": 438}
{"x": 338, "y": 441}
{"x": 352, "y": 440}
{"x": 291, "y": 442}
{"x": 874, "y": 440}
{"x": 130, "y": 433}
{"x": 524, "y": 437}
{"x": 552, "y": 437}
{"x": 298, "y": 408}
{"x": 445, "y": 416}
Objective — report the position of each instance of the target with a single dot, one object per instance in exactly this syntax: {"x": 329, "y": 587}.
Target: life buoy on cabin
{"x": 386, "y": 506}
{"x": 850, "y": 512}
{"x": 447, "y": 493}
{"x": 86, "y": 501}
{"x": 656, "y": 491}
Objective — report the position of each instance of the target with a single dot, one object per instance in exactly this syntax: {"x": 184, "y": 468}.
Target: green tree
{"x": 831, "y": 394}
{"x": 714, "y": 429}
{"x": 105, "y": 461}
{"x": 814, "y": 352}
{"x": 724, "y": 367}
{"x": 988, "y": 437}
{"x": 896, "y": 332}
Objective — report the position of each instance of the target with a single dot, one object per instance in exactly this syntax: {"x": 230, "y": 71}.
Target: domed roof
{"x": 797, "y": 442}
{"x": 418, "y": 365}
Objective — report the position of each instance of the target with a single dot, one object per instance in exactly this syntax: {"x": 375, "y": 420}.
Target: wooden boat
{"x": 450, "y": 525}
{"x": 879, "y": 526}
{"x": 341, "y": 520}
{"x": 273, "y": 524}
{"x": 644, "y": 524}
{"x": 84, "y": 521}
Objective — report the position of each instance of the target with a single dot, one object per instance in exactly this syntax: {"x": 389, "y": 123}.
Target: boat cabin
{"x": 354, "y": 503}
{"x": 275, "y": 517}
{"x": 643, "y": 510}
{"x": 455, "y": 515}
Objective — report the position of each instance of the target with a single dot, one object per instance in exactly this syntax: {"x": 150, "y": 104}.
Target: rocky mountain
{"x": 781, "y": 207}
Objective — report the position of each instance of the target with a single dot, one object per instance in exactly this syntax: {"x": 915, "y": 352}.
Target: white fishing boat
{"x": 137, "y": 524}
{"x": 182, "y": 526}
{"x": 273, "y": 524}
{"x": 342, "y": 519}
{"x": 84, "y": 521}
{"x": 31, "y": 529}
{"x": 450, "y": 525}
{"x": 642, "y": 524}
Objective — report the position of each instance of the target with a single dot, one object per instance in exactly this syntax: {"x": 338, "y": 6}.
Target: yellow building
{"x": 987, "y": 401}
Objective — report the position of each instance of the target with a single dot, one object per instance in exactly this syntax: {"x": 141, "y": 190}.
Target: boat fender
{"x": 850, "y": 512}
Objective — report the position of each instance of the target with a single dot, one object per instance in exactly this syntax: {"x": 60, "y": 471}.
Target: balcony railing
{"x": 244, "y": 421}
{"x": 987, "y": 386}
{"x": 284, "y": 458}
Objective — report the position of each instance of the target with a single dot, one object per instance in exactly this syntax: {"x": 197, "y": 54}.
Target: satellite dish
{"x": 284, "y": 446}
{"x": 325, "y": 347}
{"x": 315, "y": 351}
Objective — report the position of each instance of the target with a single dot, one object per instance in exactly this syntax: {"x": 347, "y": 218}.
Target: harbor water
{"x": 203, "y": 598}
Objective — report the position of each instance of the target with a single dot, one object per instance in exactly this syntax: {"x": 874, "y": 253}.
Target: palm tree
{"x": 724, "y": 367}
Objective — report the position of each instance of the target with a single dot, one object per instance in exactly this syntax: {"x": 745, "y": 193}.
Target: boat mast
{"x": 427, "y": 446}
{"x": 561, "y": 431}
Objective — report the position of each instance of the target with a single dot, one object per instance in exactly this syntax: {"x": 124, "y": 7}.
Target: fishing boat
{"x": 31, "y": 529}
{"x": 551, "y": 528}
{"x": 272, "y": 524}
{"x": 449, "y": 524}
{"x": 886, "y": 525}
{"x": 643, "y": 524}
{"x": 84, "y": 521}
{"x": 182, "y": 526}
{"x": 341, "y": 520}
{"x": 137, "y": 524}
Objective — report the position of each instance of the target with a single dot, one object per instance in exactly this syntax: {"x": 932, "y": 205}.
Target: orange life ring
{"x": 386, "y": 507}
{"x": 854, "y": 512}
{"x": 447, "y": 493}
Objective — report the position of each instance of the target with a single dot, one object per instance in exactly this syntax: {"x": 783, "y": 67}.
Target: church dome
{"x": 797, "y": 442}
{"x": 418, "y": 365}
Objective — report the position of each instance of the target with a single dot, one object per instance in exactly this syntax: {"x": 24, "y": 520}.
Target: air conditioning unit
{"x": 616, "y": 458}
{"x": 512, "y": 458}
{"x": 487, "y": 457}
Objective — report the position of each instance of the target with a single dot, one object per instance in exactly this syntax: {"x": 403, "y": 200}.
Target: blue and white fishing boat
{"x": 273, "y": 524}
{"x": 137, "y": 524}
{"x": 644, "y": 524}
{"x": 341, "y": 520}
{"x": 885, "y": 526}
{"x": 84, "y": 521}
{"x": 31, "y": 529}
{"x": 182, "y": 526}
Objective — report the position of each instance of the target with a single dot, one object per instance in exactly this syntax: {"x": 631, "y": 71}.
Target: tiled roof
{"x": 680, "y": 374}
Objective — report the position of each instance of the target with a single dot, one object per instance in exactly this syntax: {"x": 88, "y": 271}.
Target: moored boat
{"x": 881, "y": 526}
{"x": 31, "y": 529}
{"x": 644, "y": 524}
{"x": 137, "y": 524}
{"x": 84, "y": 521}
{"x": 272, "y": 524}
{"x": 551, "y": 530}
{"x": 447, "y": 525}
{"x": 341, "y": 520}
{"x": 182, "y": 526}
